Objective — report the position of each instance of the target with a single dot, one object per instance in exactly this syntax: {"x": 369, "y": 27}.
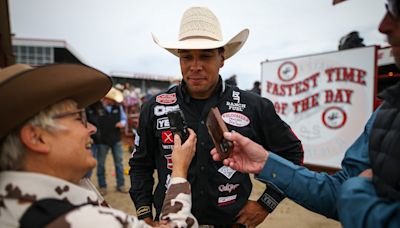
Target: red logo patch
{"x": 168, "y": 157}
{"x": 166, "y": 98}
{"x": 167, "y": 137}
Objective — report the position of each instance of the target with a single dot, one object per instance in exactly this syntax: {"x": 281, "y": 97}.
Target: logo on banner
{"x": 334, "y": 117}
{"x": 166, "y": 98}
{"x": 287, "y": 71}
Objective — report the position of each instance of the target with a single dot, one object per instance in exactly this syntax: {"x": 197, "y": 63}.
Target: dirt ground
{"x": 287, "y": 214}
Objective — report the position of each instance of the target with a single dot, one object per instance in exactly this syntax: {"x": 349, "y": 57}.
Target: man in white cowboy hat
{"x": 109, "y": 117}
{"x": 366, "y": 191}
{"x": 45, "y": 151}
{"x": 220, "y": 195}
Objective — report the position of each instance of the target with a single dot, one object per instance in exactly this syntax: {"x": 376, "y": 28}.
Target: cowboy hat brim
{"x": 230, "y": 47}
{"x": 27, "y": 91}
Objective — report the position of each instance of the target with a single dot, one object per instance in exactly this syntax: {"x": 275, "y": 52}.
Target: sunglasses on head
{"x": 80, "y": 112}
{"x": 392, "y": 7}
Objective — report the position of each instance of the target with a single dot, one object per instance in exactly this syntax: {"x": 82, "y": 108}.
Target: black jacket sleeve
{"x": 142, "y": 165}
{"x": 277, "y": 137}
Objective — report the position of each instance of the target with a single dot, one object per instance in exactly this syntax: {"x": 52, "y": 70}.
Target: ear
{"x": 222, "y": 60}
{"x": 34, "y": 138}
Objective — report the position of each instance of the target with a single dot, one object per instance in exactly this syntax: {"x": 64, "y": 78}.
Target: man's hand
{"x": 252, "y": 214}
{"x": 247, "y": 156}
{"x": 150, "y": 221}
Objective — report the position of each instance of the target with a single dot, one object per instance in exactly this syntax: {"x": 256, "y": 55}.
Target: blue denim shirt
{"x": 359, "y": 206}
{"x": 318, "y": 191}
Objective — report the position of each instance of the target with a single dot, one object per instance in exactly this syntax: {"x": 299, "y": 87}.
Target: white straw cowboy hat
{"x": 200, "y": 29}
{"x": 115, "y": 95}
{"x": 25, "y": 91}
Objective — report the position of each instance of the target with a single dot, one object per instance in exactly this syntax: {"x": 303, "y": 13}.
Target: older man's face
{"x": 390, "y": 26}
{"x": 200, "y": 70}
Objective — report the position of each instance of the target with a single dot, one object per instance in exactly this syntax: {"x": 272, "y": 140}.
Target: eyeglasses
{"x": 80, "y": 112}
{"x": 392, "y": 7}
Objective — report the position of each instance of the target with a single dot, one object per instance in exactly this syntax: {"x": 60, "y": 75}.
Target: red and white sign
{"x": 325, "y": 98}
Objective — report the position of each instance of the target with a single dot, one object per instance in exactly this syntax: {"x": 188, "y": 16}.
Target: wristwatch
{"x": 271, "y": 197}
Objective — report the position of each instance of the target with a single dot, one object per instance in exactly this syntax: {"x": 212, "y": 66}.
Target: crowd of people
{"x": 50, "y": 131}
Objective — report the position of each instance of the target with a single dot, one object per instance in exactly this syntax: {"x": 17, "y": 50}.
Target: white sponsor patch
{"x": 235, "y": 106}
{"x": 162, "y": 123}
{"x": 137, "y": 139}
{"x": 166, "y": 98}
{"x": 160, "y": 110}
{"x": 168, "y": 181}
{"x": 226, "y": 200}
{"x": 235, "y": 119}
{"x": 227, "y": 171}
{"x": 168, "y": 147}
{"x": 227, "y": 187}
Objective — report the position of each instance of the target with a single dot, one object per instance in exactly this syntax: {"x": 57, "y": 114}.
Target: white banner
{"x": 325, "y": 98}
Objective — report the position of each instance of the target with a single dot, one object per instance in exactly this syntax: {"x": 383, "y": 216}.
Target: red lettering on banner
{"x": 294, "y": 88}
{"x": 306, "y": 103}
{"x": 343, "y": 74}
{"x": 340, "y": 96}
{"x": 280, "y": 108}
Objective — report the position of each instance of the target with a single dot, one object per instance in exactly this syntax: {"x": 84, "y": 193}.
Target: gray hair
{"x": 12, "y": 151}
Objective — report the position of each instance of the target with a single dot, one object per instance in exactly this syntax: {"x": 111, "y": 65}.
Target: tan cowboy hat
{"x": 25, "y": 91}
{"x": 200, "y": 29}
{"x": 115, "y": 95}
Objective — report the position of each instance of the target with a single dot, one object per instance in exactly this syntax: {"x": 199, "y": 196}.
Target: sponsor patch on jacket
{"x": 168, "y": 158}
{"x": 228, "y": 187}
{"x": 168, "y": 180}
{"x": 236, "y": 106}
{"x": 167, "y": 137}
{"x": 225, "y": 200}
{"x": 143, "y": 210}
{"x": 227, "y": 171}
{"x": 236, "y": 119}
{"x": 160, "y": 110}
{"x": 162, "y": 123}
{"x": 166, "y": 98}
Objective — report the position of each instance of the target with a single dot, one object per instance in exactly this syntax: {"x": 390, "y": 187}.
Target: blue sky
{"x": 115, "y": 36}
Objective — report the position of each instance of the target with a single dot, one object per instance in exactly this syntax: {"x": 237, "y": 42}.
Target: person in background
{"x": 111, "y": 118}
{"x": 231, "y": 80}
{"x": 92, "y": 118}
{"x": 256, "y": 88}
{"x": 220, "y": 195}
{"x": 45, "y": 151}
{"x": 366, "y": 192}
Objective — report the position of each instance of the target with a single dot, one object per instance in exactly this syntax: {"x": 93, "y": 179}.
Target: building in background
{"x": 37, "y": 52}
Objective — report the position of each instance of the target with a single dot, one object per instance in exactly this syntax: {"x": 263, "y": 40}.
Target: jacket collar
{"x": 184, "y": 94}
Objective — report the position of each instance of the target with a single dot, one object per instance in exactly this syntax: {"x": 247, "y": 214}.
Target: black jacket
{"x": 384, "y": 144}
{"x": 105, "y": 122}
{"x": 218, "y": 192}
